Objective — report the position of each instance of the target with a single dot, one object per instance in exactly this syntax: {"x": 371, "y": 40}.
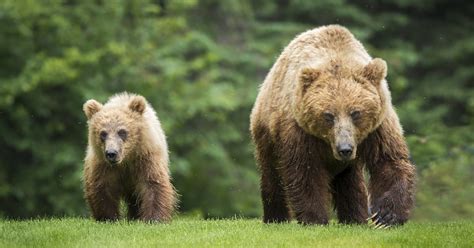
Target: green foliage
{"x": 199, "y": 62}
{"x": 445, "y": 192}
{"x": 186, "y": 232}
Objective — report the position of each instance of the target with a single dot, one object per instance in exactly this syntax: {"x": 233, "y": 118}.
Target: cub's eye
{"x": 122, "y": 133}
{"x": 103, "y": 135}
{"x": 328, "y": 117}
{"x": 355, "y": 115}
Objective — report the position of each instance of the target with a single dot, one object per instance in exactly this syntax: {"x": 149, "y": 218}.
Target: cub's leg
{"x": 157, "y": 195}
{"x": 102, "y": 194}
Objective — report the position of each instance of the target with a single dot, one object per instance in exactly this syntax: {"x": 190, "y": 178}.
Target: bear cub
{"x": 127, "y": 158}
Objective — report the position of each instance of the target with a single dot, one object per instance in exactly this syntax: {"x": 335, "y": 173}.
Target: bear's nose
{"x": 111, "y": 155}
{"x": 345, "y": 151}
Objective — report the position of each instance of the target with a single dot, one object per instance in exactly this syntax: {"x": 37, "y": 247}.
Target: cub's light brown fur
{"x": 140, "y": 174}
{"x": 323, "y": 92}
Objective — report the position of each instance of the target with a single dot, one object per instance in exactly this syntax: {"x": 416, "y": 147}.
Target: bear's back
{"x": 321, "y": 47}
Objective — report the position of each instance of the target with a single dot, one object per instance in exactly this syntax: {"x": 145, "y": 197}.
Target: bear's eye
{"x": 122, "y": 133}
{"x": 103, "y": 135}
{"x": 355, "y": 115}
{"x": 329, "y": 118}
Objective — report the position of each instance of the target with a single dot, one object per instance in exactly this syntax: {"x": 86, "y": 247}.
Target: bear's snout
{"x": 345, "y": 151}
{"x": 111, "y": 155}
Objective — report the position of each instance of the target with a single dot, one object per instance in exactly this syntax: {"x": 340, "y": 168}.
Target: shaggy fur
{"x": 140, "y": 176}
{"x": 325, "y": 92}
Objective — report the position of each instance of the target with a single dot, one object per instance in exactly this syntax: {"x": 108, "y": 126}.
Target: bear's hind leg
{"x": 275, "y": 208}
{"x": 133, "y": 207}
{"x": 350, "y": 196}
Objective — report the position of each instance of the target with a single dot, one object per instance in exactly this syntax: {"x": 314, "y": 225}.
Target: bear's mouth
{"x": 113, "y": 161}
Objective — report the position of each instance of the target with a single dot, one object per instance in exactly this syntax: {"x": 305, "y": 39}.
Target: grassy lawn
{"x": 75, "y": 232}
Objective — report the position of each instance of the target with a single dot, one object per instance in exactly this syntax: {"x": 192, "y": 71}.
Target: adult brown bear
{"x": 323, "y": 113}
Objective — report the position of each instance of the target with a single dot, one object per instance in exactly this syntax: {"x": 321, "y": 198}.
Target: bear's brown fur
{"x": 323, "y": 113}
{"x": 127, "y": 158}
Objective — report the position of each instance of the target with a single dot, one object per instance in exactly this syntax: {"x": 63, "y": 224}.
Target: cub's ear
{"x": 375, "y": 71}
{"x": 91, "y": 107}
{"x": 138, "y": 104}
{"x": 308, "y": 76}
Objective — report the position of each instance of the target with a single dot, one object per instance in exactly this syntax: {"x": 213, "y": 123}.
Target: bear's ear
{"x": 91, "y": 107}
{"x": 307, "y": 77}
{"x": 375, "y": 71}
{"x": 138, "y": 104}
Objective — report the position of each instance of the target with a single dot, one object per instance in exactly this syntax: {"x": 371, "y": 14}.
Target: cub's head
{"x": 342, "y": 108}
{"x": 114, "y": 130}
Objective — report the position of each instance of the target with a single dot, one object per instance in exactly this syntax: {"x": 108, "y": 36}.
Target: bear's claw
{"x": 379, "y": 221}
{"x": 371, "y": 217}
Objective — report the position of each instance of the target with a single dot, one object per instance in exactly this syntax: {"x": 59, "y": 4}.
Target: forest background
{"x": 199, "y": 63}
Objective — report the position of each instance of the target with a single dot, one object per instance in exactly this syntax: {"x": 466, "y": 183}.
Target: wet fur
{"x": 299, "y": 174}
{"x": 142, "y": 179}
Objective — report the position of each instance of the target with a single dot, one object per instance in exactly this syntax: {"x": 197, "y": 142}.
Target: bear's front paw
{"x": 384, "y": 214}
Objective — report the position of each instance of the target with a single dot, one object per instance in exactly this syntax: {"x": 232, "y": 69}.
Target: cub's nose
{"x": 111, "y": 155}
{"x": 345, "y": 150}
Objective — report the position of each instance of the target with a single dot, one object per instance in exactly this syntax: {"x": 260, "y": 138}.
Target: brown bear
{"x": 127, "y": 158}
{"x": 322, "y": 115}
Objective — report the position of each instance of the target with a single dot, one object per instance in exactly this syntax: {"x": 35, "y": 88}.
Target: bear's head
{"x": 115, "y": 130}
{"x": 342, "y": 105}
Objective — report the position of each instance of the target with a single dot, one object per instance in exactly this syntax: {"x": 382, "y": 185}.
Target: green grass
{"x": 184, "y": 232}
